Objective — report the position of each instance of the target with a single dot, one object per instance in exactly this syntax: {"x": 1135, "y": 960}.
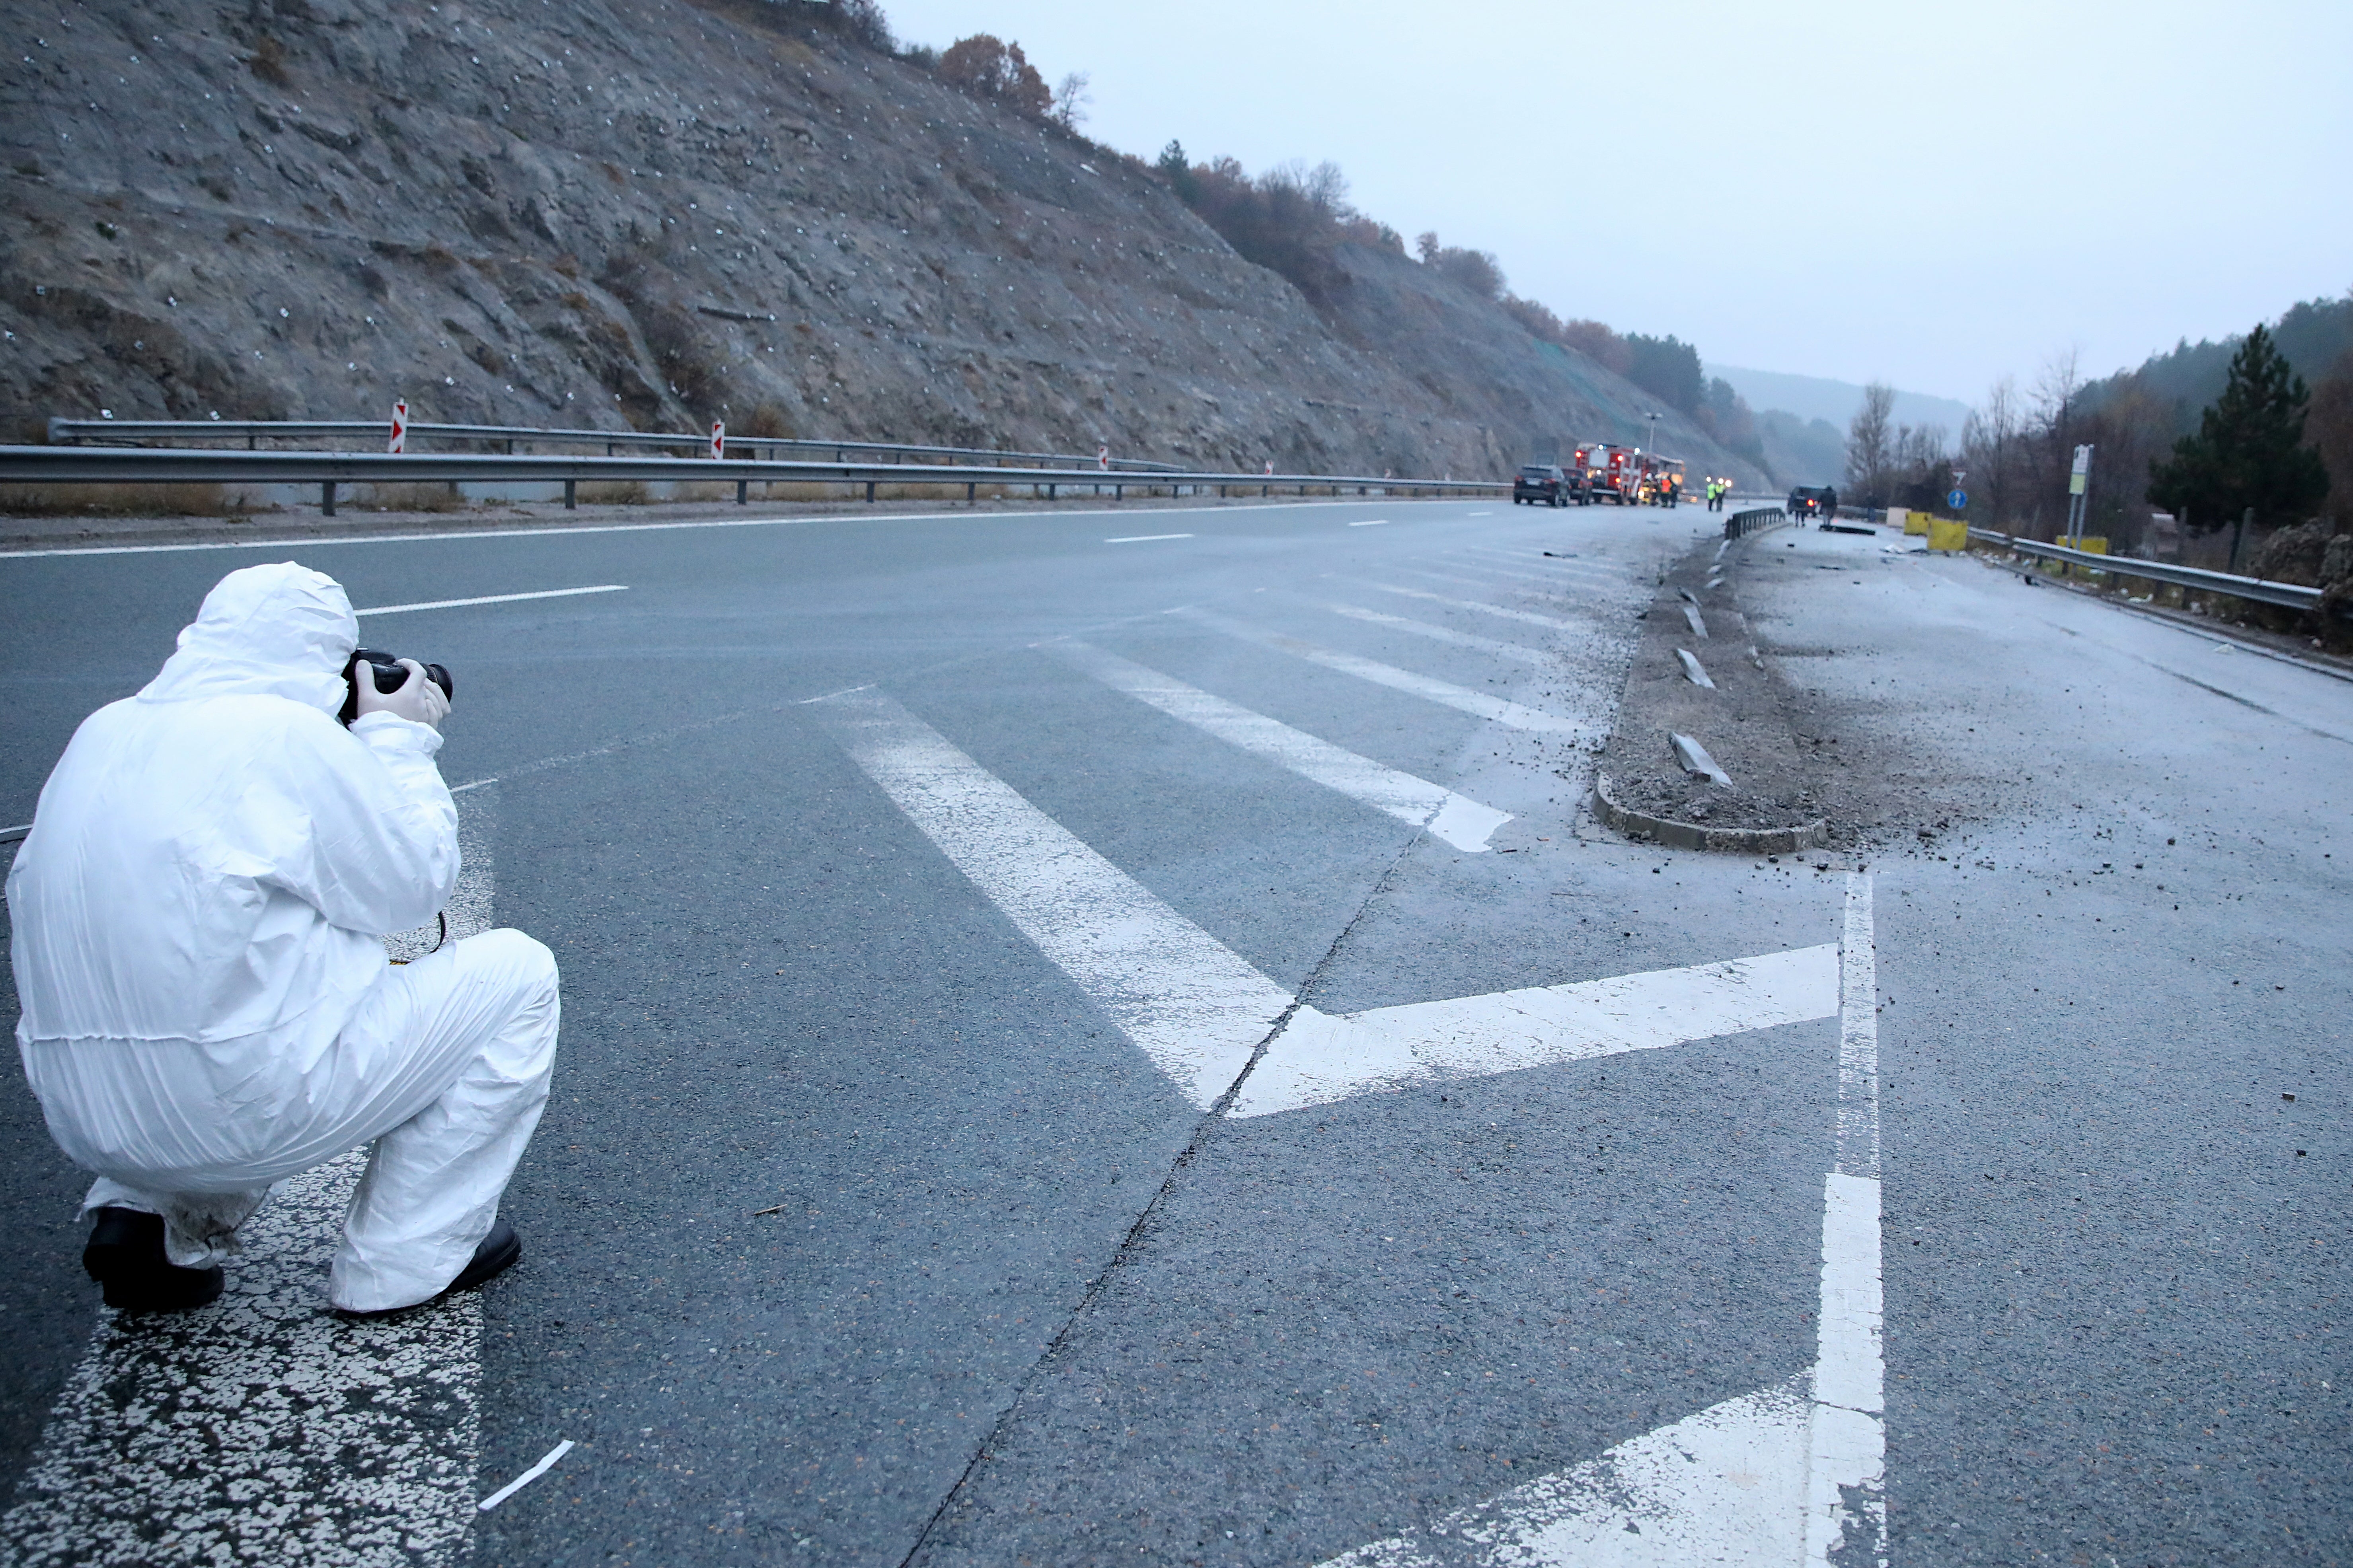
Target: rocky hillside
{"x": 652, "y": 213}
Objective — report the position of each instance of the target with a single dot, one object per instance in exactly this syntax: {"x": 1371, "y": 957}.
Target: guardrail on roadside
{"x": 122, "y": 432}
{"x": 328, "y": 470}
{"x": 1742, "y": 523}
{"x": 2294, "y": 595}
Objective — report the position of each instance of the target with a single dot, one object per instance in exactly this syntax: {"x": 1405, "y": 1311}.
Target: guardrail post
{"x": 870, "y": 489}
{"x": 970, "y": 490}
{"x": 740, "y": 487}
{"x": 1049, "y": 492}
{"x": 1118, "y": 493}
{"x": 327, "y": 499}
{"x": 570, "y": 489}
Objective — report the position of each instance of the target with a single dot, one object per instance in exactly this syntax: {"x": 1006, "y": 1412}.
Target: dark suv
{"x": 1813, "y": 500}
{"x": 1542, "y": 482}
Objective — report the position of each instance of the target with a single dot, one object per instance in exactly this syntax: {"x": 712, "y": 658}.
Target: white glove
{"x": 417, "y": 698}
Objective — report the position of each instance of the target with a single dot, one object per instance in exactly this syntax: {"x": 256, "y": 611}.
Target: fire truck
{"x": 1607, "y": 472}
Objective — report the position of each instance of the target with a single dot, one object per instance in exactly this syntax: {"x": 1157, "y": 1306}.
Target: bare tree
{"x": 1989, "y": 443}
{"x": 1069, "y": 110}
{"x": 1870, "y": 445}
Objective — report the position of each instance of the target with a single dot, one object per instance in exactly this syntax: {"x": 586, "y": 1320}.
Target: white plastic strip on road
{"x": 546, "y": 1463}
{"x": 1370, "y": 523}
{"x": 262, "y": 1429}
{"x": 1457, "y": 819}
{"x": 1145, "y": 538}
{"x": 1792, "y": 1474}
{"x": 1518, "y": 716}
{"x": 1192, "y": 1006}
{"x": 1529, "y": 617}
{"x": 493, "y": 599}
{"x": 1320, "y": 1057}
{"x": 1487, "y": 645}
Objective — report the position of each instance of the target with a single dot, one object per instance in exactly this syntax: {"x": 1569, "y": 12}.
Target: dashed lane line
{"x": 262, "y": 1429}
{"x": 1515, "y": 715}
{"x": 1145, "y": 538}
{"x": 1489, "y": 645}
{"x": 491, "y": 599}
{"x": 1455, "y": 818}
{"x": 1526, "y": 618}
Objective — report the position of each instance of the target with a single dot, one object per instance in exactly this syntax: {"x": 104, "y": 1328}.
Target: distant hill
{"x": 1802, "y": 451}
{"x": 1818, "y": 398}
{"x": 2314, "y": 335}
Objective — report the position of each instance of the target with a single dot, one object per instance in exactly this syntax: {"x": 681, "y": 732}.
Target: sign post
{"x": 2078, "y": 485}
{"x": 399, "y": 429}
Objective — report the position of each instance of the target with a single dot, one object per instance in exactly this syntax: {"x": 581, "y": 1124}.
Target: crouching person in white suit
{"x": 207, "y": 1004}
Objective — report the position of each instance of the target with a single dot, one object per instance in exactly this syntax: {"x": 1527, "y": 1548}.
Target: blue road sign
{"x": 1958, "y": 500}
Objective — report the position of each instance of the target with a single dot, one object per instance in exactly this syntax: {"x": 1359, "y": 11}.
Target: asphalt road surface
{"x": 1108, "y": 1036}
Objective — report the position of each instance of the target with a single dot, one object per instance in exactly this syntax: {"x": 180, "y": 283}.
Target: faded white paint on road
{"x": 1515, "y": 715}
{"x": 262, "y": 1429}
{"x": 1488, "y": 646}
{"x": 1529, "y": 617}
{"x": 1457, "y": 819}
{"x": 491, "y": 599}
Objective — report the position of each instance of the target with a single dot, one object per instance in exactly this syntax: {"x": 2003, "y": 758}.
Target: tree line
{"x": 2267, "y": 448}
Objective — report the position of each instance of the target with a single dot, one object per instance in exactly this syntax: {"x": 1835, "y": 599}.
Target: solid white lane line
{"x": 1516, "y": 715}
{"x": 1194, "y": 1007}
{"x": 1457, "y": 819}
{"x": 1320, "y": 1057}
{"x": 262, "y": 1429}
{"x": 1145, "y": 538}
{"x": 1846, "y": 1442}
{"x": 1371, "y": 522}
{"x": 1526, "y": 618}
{"x": 491, "y": 599}
{"x": 546, "y": 1463}
{"x": 1489, "y": 645}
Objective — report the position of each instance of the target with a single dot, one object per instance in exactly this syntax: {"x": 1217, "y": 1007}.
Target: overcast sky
{"x": 1936, "y": 195}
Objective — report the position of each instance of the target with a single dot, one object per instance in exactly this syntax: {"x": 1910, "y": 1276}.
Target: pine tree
{"x": 2249, "y": 450}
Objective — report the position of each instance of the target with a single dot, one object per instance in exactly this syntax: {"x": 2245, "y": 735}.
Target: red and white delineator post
{"x": 399, "y": 429}
{"x": 718, "y": 438}
{"x": 1102, "y": 458}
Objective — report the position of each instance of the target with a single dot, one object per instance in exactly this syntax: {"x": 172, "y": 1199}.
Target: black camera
{"x": 389, "y": 675}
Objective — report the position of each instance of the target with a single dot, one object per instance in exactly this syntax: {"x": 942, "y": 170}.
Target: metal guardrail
{"x": 328, "y": 470}
{"x": 1740, "y": 525}
{"x": 122, "y": 432}
{"x": 2294, "y": 595}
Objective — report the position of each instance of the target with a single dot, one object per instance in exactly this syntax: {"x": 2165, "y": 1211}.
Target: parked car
{"x": 1542, "y": 484}
{"x": 1808, "y": 501}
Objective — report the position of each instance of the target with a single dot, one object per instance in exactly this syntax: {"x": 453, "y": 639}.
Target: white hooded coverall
{"x": 207, "y": 1007}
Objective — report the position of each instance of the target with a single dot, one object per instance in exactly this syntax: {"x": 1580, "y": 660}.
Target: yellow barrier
{"x": 1911, "y": 520}
{"x": 1945, "y": 535}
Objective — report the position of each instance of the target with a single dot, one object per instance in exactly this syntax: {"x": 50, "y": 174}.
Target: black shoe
{"x": 126, "y": 1256}
{"x": 498, "y": 1252}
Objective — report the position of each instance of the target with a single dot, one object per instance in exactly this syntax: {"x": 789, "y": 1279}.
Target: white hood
{"x": 281, "y": 630}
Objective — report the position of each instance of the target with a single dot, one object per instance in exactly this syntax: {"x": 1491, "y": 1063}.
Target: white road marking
{"x": 262, "y": 1429}
{"x": 1488, "y": 646}
{"x": 1320, "y": 1057}
{"x": 1145, "y": 538}
{"x": 1773, "y": 1479}
{"x": 1723, "y": 1488}
{"x": 1528, "y": 617}
{"x": 1194, "y": 1007}
{"x": 1371, "y": 522}
{"x": 1516, "y": 715}
{"x": 1457, "y": 819}
{"x": 1526, "y": 569}
{"x": 546, "y": 1463}
{"x": 491, "y": 599}
{"x": 1847, "y": 1448}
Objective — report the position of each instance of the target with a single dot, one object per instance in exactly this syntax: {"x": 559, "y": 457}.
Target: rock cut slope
{"x": 651, "y": 212}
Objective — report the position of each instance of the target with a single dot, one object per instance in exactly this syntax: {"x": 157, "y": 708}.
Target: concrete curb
{"x": 1692, "y": 836}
